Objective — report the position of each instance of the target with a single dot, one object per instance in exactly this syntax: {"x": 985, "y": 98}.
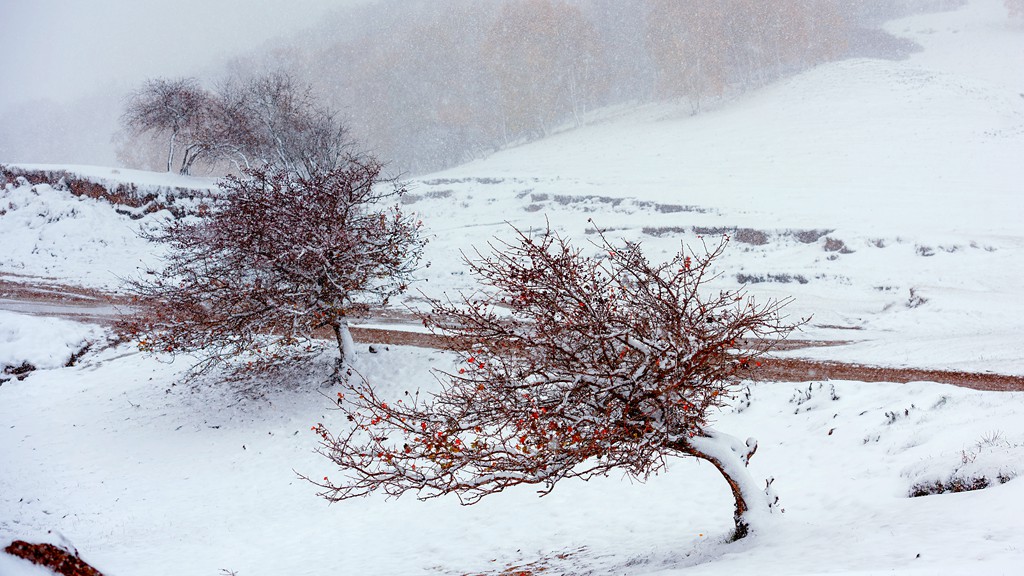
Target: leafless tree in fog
{"x": 271, "y": 119}
{"x": 263, "y": 120}
{"x": 177, "y": 108}
{"x": 1015, "y": 8}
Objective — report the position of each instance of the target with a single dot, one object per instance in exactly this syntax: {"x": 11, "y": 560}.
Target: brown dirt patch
{"x": 57, "y": 559}
{"x": 797, "y": 370}
{"x": 34, "y": 289}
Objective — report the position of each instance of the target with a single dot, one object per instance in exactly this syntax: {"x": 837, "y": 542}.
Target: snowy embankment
{"x": 40, "y": 343}
{"x": 49, "y": 233}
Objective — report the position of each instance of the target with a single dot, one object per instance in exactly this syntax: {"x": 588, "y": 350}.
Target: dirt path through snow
{"x": 50, "y": 298}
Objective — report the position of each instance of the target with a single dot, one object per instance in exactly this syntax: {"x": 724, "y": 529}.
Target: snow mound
{"x": 41, "y": 342}
{"x": 993, "y": 459}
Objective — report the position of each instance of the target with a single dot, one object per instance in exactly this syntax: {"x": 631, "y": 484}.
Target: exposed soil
{"x": 36, "y": 289}
{"x": 797, "y": 370}
{"x": 54, "y": 558}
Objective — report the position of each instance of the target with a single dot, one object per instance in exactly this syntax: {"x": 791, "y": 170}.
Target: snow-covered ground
{"x": 145, "y": 477}
{"x": 884, "y": 196}
{"x": 42, "y": 342}
{"x": 52, "y": 234}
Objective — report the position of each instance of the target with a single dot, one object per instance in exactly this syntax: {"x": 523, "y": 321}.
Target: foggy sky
{"x": 62, "y": 50}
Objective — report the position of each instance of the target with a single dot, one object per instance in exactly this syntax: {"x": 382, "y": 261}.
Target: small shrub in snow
{"x": 991, "y": 460}
{"x": 741, "y": 235}
{"x": 571, "y": 366}
{"x": 915, "y": 299}
{"x": 892, "y": 416}
{"x": 743, "y": 278}
{"x": 743, "y": 400}
{"x": 802, "y": 396}
{"x": 809, "y": 236}
{"x": 836, "y": 245}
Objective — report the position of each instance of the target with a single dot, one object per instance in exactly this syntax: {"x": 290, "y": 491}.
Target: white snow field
{"x": 148, "y": 478}
{"x": 884, "y": 196}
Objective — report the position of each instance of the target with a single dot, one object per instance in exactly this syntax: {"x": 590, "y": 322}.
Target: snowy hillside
{"x": 884, "y": 196}
{"x": 847, "y": 186}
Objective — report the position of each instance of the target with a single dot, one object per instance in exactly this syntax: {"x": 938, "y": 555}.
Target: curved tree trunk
{"x": 730, "y": 457}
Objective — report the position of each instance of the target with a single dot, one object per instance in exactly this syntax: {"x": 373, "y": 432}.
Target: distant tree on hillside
{"x": 178, "y": 109}
{"x": 263, "y": 120}
{"x": 281, "y": 257}
{"x": 1015, "y": 8}
{"x": 688, "y": 40}
{"x": 571, "y": 366}
{"x": 543, "y": 58}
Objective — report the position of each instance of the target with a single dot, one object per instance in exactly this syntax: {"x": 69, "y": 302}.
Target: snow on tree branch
{"x": 280, "y": 258}
{"x": 571, "y": 366}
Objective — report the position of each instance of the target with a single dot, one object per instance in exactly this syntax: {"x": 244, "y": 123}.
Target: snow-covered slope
{"x": 927, "y": 145}
{"x": 885, "y": 196}
{"x": 51, "y": 233}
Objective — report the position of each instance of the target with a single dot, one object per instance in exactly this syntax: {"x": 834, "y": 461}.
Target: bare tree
{"x": 271, "y": 119}
{"x": 176, "y": 108}
{"x": 281, "y": 257}
{"x": 571, "y": 366}
{"x": 1015, "y": 8}
{"x": 264, "y": 120}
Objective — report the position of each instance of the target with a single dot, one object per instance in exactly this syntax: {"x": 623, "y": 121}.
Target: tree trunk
{"x": 186, "y": 163}
{"x": 346, "y": 346}
{"x": 730, "y": 456}
{"x": 170, "y": 152}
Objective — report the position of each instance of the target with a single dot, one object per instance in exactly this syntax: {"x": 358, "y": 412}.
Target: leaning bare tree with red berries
{"x": 281, "y": 258}
{"x": 570, "y": 366}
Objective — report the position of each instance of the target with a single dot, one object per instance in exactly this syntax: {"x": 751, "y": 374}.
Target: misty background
{"x": 423, "y": 84}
